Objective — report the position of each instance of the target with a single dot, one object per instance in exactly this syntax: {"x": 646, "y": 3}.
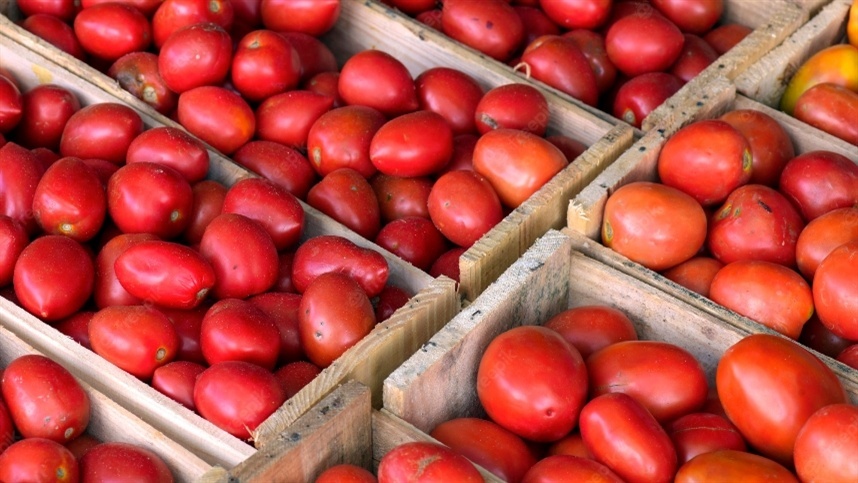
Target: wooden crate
{"x": 369, "y": 361}
{"x": 767, "y": 79}
{"x": 367, "y": 25}
{"x": 439, "y": 382}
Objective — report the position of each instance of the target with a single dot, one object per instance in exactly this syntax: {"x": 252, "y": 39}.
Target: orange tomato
{"x": 837, "y": 64}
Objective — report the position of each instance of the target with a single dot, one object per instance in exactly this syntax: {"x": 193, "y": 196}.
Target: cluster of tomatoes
{"x": 200, "y": 289}
{"x": 44, "y": 404}
{"x": 626, "y": 56}
{"x": 741, "y": 219}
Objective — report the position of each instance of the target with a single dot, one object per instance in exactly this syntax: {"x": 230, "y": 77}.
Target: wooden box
{"x": 367, "y": 25}
{"x": 435, "y": 301}
{"x": 439, "y": 382}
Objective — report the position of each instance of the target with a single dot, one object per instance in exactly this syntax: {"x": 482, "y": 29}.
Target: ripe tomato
{"x": 389, "y": 301}
{"x": 46, "y": 110}
{"x": 695, "y": 56}
{"x": 732, "y": 465}
{"x": 237, "y": 396}
{"x": 464, "y": 207}
{"x": 452, "y": 94}
{"x": 542, "y": 403}
{"x": 150, "y": 198}
{"x": 146, "y": 7}
{"x": 592, "y": 45}
{"x": 46, "y": 292}
{"x": 695, "y": 274}
{"x": 264, "y": 64}
{"x": 172, "y": 15}
{"x": 698, "y": 433}
{"x": 194, "y": 56}
{"x": 490, "y": 26}
{"x": 11, "y": 104}
{"x": 825, "y": 449}
{"x": 414, "y": 144}
{"x": 314, "y": 56}
{"x": 535, "y": 22}
{"x": 108, "y": 290}
{"x": 237, "y": 330}
{"x": 20, "y": 172}
{"x": 38, "y": 459}
{"x": 137, "y": 73}
{"x": 274, "y": 208}
{"x": 448, "y": 264}
{"x": 101, "y": 131}
{"x": 326, "y": 84}
{"x": 818, "y": 337}
{"x": 52, "y": 29}
{"x": 136, "y": 338}
{"x": 572, "y": 445}
{"x": 726, "y": 36}
{"x": 625, "y": 437}
{"x": 641, "y": 94}
{"x": 590, "y": 328}
{"x": 697, "y": 16}
{"x": 830, "y": 108}
{"x": 282, "y": 308}
{"x": 331, "y": 253}
{"x": 218, "y": 116}
{"x": 70, "y": 200}
{"x": 173, "y": 147}
{"x": 822, "y": 235}
{"x": 64, "y": 9}
{"x": 346, "y": 473}
{"x": 377, "y": 79}
{"x": 426, "y": 461}
{"x": 287, "y": 117}
{"x": 282, "y": 165}
{"x": 293, "y": 376}
{"x": 115, "y": 461}
{"x": 771, "y": 146}
{"x": 401, "y": 197}
{"x": 77, "y": 327}
{"x": 653, "y": 224}
{"x": 110, "y": 30}
{"x": 770, "y": 407}
{"x": 346, "y": 196}
{"x": 820, "y": 181}
{"x": 835, "y": 290}
{"x": 188, "y": 324}
{"x": 577, "y": 14}
{"x": 13, "y": 240}
{"x": 312, "y": 17}
{"x": 341, "y": 138}
{"x": 176, "y": 380}
{"x": 559, "y": 468}
{"x": 414, "y": 239}
{"x": 640, "y": 43}
{"x": 559, "y": 62}
{"x": 512, "y": 106}
{"x": 284, "y": 273}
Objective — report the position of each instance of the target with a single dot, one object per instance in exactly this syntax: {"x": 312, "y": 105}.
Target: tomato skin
{"x": 849, "y": 356}
{"x": 815, "y": 335}
{"x": 165, "y": 273}
{"x": 176, "y": 381}
{"x": 171, "y": 147}
{"x": 452, "y": 94}
{"x": 264, "y": 64}
{"x": 187, "y": 324}
{"x": 312, "y": 17}
{"x": 173, "y": 15}
{"x": 632, "y": 214}
{"x": 45, "y": 292}
{"x": 149, "y": 198}
{"x": 831, "y": 108}
{"x": 237, "y": 330}
{"x": 20, "y": 172}
{"x": 824, "y": 451}
{"x": 218, "y": 116}
{"x": 490, "y": 26}
{"x": 70, "y": 200}
{"x": 571, "y": 445}
{"x": 640, "y": 43}
{"x": 820, "y": 181}
{"x": 347, "y": 197}
{"x": 822, "y": 235}
{"x": 346, "y": 473}
{"x": 101, "y": 131}
{"x": 577, "y": 14}
{"x": 726, "y": 36}
{"x": 137, "y": 73}
{"x": 389, "y": 301}
{"x": 535, "y": 22}
{"x": 543, "y": 404}
{"x": 414, "y": 239}
{"x": 512, "y": 106}
{"x": 414, "y": 144}
{"x": 698, "y": 433}
{"x": 243, "y": 256}
{"x": 282, "y": 308}
{"x": 642, "y": 94}
{"x": 114, "y": 462}
{"x": 273, "y": 207}
{"x": 625, "y": 437}
{"x": 487, "y": 444}
{"x": 13, "y": 240}
{"x": 464, "y": 206}
{"x": 64, "y": 9}
{"x": 287, "y": 117}
{"x": 426, "y": 461}
{"x": 136, "y": 338}
{"x": 146, "y": 7}
{"x": 400, "y": 197}
{"x": 770, "y": 407}
{"x": 835, "y": 290}
{"x": 696, "y": 17}
{"x": 560, "y": 468}
{"x": 376, "y": 79}
{"x": 60, "y": 34}
{"x": 282, "y": 165}
{"x": 341, "y": 138}
{"x": 326, "y": 84}
{"x": 447, "y": 264}
{"x": 46, "y": 110}
{"x": 732, "y": 465}
{"x": 110, "y": 30}
{"x": 314, "y": 57}
{"x": 590, "y": 328}
{"x": 696, "y": 55}
{"x": 559, "y": 62}
{"x": 695, "y": 274}
{"x": 11, "y": 104}
{"x": 331, "y": 253}
{"x": 38, "y": 459}
{"x": 108, "y": 290}
{"x": 771, "y": 146}
{"x": 293, "y": 376}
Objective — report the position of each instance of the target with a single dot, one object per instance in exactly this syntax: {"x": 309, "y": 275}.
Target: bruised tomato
{"x": 137, "y": 73}
{"x": 464, "y": 206}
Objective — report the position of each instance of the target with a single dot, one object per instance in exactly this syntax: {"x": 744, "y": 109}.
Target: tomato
{"x": 572, "y": 445}
{"x": 314, "y": 57}
{"x": 485, "y": 443}
{"x": 341, "y": 138}
{"x": 243, "y": 255}
{"x": 577, "y": 14}
{"x": 346, "y": 473}
{"x": 452, "y": 94}
{"x": 831, "y": 108}
{"x": 540, "y": 404}
{"x": 376, "y": 79}
{"x": 820, "y": 181}
{"x": 695, "y": 274}
{"x": 264, "y": 64}
{"x": 837, "y": 64}
{"x": 149, "y": 198}
{"x": 535, "y": 23}
{"x": 696, "y": 17}
{"x": 101, "y": 131}
{"x": 401, "y": 197}
{"x": 732, "y": 465}
{"x": 136, "y": 338}
{"x": 824, "y": 451}
{"x": 70, "y": 200}
{"x": 284, "y": 166}
{"x": 194, "y": 56}
{"x": 726, "y": 36}
{"x": 590, "y": 328}
{"x": 282, "y": 308}
{"x": 38, "y": 459}
{"x": 218, "y": 116}
{"x": 770, "y": 407}
{"x": 389, "y": 301}
{"x": 284, "y": 273}
{"x": 490, "y": 26}
{"x": 822, "y": 235}
{"x": 698, "y": 433}
{"x": 464, "y": 206}
{"x": 146, "y": 7}
{"x": 641, "y": 222}
{"x": 64, "y": 9}
{"x": 425, "y": 461}
{"x": 187, "y": 324}
{"x": 641, "y": 94}
{"x": 768, "y": 293}
{"x": 414, "y": 239}
{"x": 835, "y": 290}
{"x": 110, "y": 30}
{"x": 176, "y": 380}
{"x": 852, "y": 26}
{"x": 560, "y": 468}
{"x": 137, "y": 73}
{"x": 274, "y": 208}
{"x": 116, "y": 461}
{"x": 640, "y": 43}
{"x": 60, "y": 34}
{"x": 11, "y": 104}
{"x": 173, "y": 15}
{"x": 415, "y": 144}
{"x": 43, "y": 290}
{"x": 171, "y": 147}
{"x": 12, "y": 242}
{"x": 592, "y": 45}
{"x": 560, "y": 63}
{"x": 293, "y": 376}
{"x": 77, "y": 327}
{"x": 312, "y": 17}
{"x": 849, "y": 356}
{"x": 818, "y": 337}
{"x": 512, "y": 106}
{"x": 696, "y": 55}
{"x": 771, "y": 146}
{"x": 46, "y": 110}
{"x": 287, "y": 117}
{"x": 346, "y": 196}
{"x": 431, "y": 18}
{"x": 108, "y": 290}
{"x": 447, "y": 264}
{"x": 331, "y": 253}
{"x": 625, "y": 437}
{"x": 326, "y": 84}
{"x": 237, "y": 330}
{"x": 20, "y": 172}
{"x": 44, "y": 399}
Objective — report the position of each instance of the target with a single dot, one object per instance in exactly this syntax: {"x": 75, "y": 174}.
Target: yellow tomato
{"x": 852, "y": 25}
{"x": 837, "y": 64}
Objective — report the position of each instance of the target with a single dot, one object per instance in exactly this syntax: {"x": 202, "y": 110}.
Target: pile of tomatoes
{"x": 741, "y": 219}
{"x": 112, "y": 234}
{"x": 46, "y": 406}
{"x": 625, "y": 56}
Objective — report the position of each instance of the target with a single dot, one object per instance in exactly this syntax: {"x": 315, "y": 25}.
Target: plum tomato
{"x": 280, "y": 164}
{"x": 218, "y": 116}
{"x": 110, "y": 30}
{"x": 38, "y": 459}
{"x": 116, "y": 461}
{"x": 237, "y": 330}
{"x": 639, "y": 43}
{"x": 188, "y": 324}
{"x": 58, "y": 33}
{"x": 697, "y": 433}
{"x": 150, "y": 198}
{"x": 346, "y": 472}
{"x": 208, "y": 203}
{"x": 70, "y": 200}
{"x": 64, "y": 9}
{"x": 282, "y": 308}
{"x": 400, "y": 197}
{"x": 831, "y": 108}
{"x": 11, "y": 104}
{"x": 559, "y": 468}
{"x": 389, "y": 301}
{"x": 171, "y": 147}
{"x": 286, "y": 118}
{"x": 273, "y": 207}
{"x": 825, "y": 448}
{"x": 341, "y": 138}
{"x": 314, "y": 56}
{"x": 822, "y": 235}
{"x": 592, "y": 45}
{"x": 695, "y": 274}
{"x": 732, "y": 465}
{"x": 849, "y": 356}
{"x": 512, "y": 106}
{"x": 415, "y": 144}
{"x": 264, "y": 64}
{"x": 137, "y": 73}
{"x": 414, "y": 239}
{"x": 376, "y": 79}
{"x": 346, "y": 196}
{"x": 572, "y": 445}
{"x": 312, "y": 17}
{"x": 535, "y": 22}
{"x": 101, "y": 131}
{"x": 725, "y": 36}
{"x": 560, "y": 63}
{"x": 173, "y": 15}
{"x": 590, "y": 328}
{"x": 835, "y": 290}
{"x": 108, "y": 290}
{"x": 820, "y": 181}
{"x": 47, "y": 108}
{"x": 464, "y": 207}
{"x": 448, "y": 264}
{"x": 176, "y": 380}
{"x": 332, "y": 253}
{"x": 13, "y": 240}
{"x": 426, "y": 461}
{"x": 771, "y": 146}
{"x": 818, "y": 337}
{"x": 695, "y": 56}
{"x": 577, "y": 14}
{"x": 489, "y": 26}
{"x": 293, "y": 376}
{"x": 641, "y": 94}
{"x": 452, "y": 94}
{"x": 695, "y": 16}
{"x": 20, "y": 172}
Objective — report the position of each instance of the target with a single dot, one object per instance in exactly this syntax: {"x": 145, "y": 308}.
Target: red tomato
{"x": 346, "y": 473}
{"x": 560, "y": 63}
{"x": 535, "y": 22}
{"x": 264, "y": 64}
{"x": 243, "y": 255}
{"x": 818, "y": 337}
{"x": 115, "y": 461}
{"x": 293, "y": 376}
{"x": 312, "y": 17}
{"x": 172, "y": 15}
{"x": 108, "y": 290}
{"x": 625, "y": 437}
{"x": 697, "y": 16}
{"x": 237, "y": 396}
{"x": 47, "y": 108}
{"x": 64, "y": 9}
{"x": 101, "y": 131}
{"x": 287, "y": 117}
{"x": 822, "y": 235}
{"x": 427, "y": 462}
{"x": 282, "y": 308}
{"x": 331, "y": 253}
{"x": 513, "y": 106}
{"x": 770, "y": 407}
{"x": 376, "y": 79}
{"x": 731, "y": 465}
{"x": 218, "y": 116}
{"x": 136, "y": 338}
{"x": 414, "y": 239}
{"x": 726, "y": 36}
{"x": 346, "y": 196}
{"x": 150, "y": 198}
{"x": 464, "y": 207}
{"x": 560, "y": 468}
{"x": 237, "y": 330}
{"x": 341, "y": 138}
{"x": 7, "y": 428}
{"x": 401, "y": 197}
{"x": 641, "y": 43}
{"x": 542, "y": 403}
{"x": 11, "y": 104}
{"x": 53, "y": 29}
{"x": 77, "y": 327}
{"x": 820, "y": 181}
{"x": 771, "y": 146}
{"x": 577, "y": 14}
{"x": 147, "y": 7}
{"x": 282, "y": 165}
{"x": 642, "y": 222}
{"x": 849, "y": 356}
{"x": 452, "y": 94}
{"x": 188, "y": 324}
{"x": 831, "y": 108}
{"x": 274, "y": 208}
{"x": 165, "y": 273}
{"x": 695, "y": 274}
{"x": 314, "y": 56}
{"x": 171, "y": 147}
{"x": 70, "y": 200}
{"x": 110, "y": 30}
{"x": 326, "y": 84}
{"x": 389, "y": 301}
{"x": 38, "y": 459}
{"x": 572, "y": 445}
{"x": 699, "y": 433}
{"x": 642, "y": 94}
{"x": 194, "y": 56}
{"x": 835, "y": 290}
{"x": 825, "y": 449}
{"x": 765, "y": 292}
{"x": 13, "y": 240}
{"x": 176, "y": 380}
{"x": 20, "y": 172}
{"x": 695, "y": 56}
{"x": 490, "y": 26}
{"x": 487, "y": 444}
{"x": 447, "y": 264}
{"x": 415, "y": 144}
{"x": 592, "y": 45}
{"x": 463, "y": 154}
{"x": 590, "y": 328}
{"x": 46, "y": 292}
{"x": 284, "y": 273}
{"x": 137, "y": 73}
